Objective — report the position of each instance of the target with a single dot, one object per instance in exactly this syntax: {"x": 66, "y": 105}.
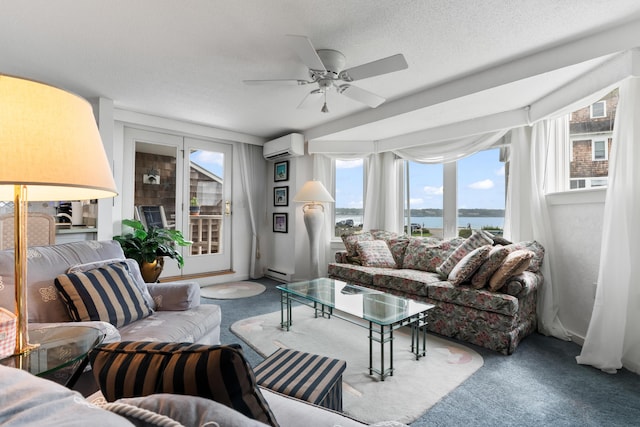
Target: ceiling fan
{"x": 326, "y": 69}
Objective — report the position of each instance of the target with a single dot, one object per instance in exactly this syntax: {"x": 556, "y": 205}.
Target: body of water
{"x": 436, "y": 222}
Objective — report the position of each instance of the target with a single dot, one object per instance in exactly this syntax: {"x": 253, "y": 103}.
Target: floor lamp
{"x": 313, "y": 194}
{"x": 50, "y": 149}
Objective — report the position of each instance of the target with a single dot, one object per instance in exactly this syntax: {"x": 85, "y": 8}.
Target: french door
{"x": 184, "y": 184}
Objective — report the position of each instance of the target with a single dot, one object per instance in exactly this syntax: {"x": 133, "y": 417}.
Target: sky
{"x": 481, "y": 182}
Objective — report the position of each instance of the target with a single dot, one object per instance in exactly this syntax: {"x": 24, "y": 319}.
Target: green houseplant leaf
{"x": 146, "y": 245}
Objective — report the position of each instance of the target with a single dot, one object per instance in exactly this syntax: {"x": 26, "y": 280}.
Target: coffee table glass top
{"x": 58, "y": 347}
{"x": 368, "y": 304}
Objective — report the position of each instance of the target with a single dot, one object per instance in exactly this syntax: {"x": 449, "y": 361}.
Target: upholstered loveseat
{"x": 163, "y": 311}
{"x": 484, "y": 288}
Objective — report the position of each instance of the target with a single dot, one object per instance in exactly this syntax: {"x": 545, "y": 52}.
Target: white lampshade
{"x": 313, "y": 191}
{"x": 49, "y": 142}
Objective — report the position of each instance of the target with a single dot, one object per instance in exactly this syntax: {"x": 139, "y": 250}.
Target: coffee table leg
{"x": 285, "y": 306}
{"x": 370, "y": 348}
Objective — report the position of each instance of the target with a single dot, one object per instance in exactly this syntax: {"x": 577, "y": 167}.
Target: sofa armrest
{"x": 110, "y": 332}
{"x": 175, "y": 296}
{"x": 523, "y": 284}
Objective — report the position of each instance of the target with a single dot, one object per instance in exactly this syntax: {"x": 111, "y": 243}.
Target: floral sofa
{"x": 484, "y": 288}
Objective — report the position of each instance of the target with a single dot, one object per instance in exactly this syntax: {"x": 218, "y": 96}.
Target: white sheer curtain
{"x": 383, "y": 195}
{"x": 527, "y": 220}
{"x": 613, "y": 337}
{"x": 252, "y": 173}
{"x": 450, "y": 150}
{"x": 324, "y": 171}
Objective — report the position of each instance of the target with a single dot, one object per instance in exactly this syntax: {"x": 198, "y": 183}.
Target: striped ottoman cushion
{"x": 315, "y": 379}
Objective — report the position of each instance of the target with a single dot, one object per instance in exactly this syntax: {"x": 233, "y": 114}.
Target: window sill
{"x": 574, "y": 197}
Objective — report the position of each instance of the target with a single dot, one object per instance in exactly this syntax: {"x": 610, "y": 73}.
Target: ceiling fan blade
{"x": 375, "y": 68}
{"x": 303, "y": 47}
{"x": 361, "y": 95}
{"x": 281, "y": 82}
{"x": 310, "y": 99}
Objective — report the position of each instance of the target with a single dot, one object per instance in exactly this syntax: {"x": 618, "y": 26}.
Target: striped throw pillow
{"x": 220, "y": 373}
{"x": 107, "y": 294}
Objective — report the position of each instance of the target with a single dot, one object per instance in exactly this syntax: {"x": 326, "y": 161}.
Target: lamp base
{"x": 313, "y": 220}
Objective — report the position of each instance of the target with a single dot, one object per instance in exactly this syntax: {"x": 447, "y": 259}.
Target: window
{"x": 424, "y": 199}
{"x": 577, "y": 183}
{"x": 599, "y": 150}
{"x": 349, "y": 196}
{"x": 481, "y": 192}
{"x": 598, "y": 109}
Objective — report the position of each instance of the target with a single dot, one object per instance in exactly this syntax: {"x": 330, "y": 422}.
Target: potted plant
{"x": 149, "y": 247}
{"x": 194, "y": 208}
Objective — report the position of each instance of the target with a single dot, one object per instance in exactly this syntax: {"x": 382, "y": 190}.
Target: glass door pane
{"x": 208, "y": 197}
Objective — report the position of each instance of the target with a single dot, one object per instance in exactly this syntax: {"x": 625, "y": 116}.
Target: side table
{"x": 58, "y": 347}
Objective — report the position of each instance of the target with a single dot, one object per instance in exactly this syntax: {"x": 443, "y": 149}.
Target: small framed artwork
{"x": 281, "y": 171}
{"x": 281, "y": 196}
{"x": 280, "y": 222}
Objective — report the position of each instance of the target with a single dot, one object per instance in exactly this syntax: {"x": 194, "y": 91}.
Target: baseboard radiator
{"x": 280, "y": 276}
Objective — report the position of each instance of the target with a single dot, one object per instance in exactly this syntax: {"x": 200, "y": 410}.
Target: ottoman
{"x": 310, "y": 377}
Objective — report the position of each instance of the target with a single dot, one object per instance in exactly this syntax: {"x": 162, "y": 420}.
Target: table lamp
{"x": 50, "y": 149}
{"x": 313, "y": 194}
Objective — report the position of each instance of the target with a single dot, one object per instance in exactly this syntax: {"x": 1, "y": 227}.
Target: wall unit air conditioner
{"x": 285, "y": 147}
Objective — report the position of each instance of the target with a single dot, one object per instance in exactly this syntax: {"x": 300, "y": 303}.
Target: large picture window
{"x": 349, "y": 196}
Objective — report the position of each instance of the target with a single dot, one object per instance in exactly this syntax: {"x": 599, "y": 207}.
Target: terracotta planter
{"x": 151, "y": 270}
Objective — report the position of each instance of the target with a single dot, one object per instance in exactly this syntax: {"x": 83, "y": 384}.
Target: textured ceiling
{"x": 187, "y": 59}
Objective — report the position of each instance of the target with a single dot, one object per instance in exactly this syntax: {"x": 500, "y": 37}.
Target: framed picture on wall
{"x": 281, "y": 196}
{"x": 280, "y": 222}
{"x": 281, "y": 171}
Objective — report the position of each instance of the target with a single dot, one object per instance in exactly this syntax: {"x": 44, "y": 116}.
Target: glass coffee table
{"x": 377, "y": 311}
{"x": 58, "y": 347}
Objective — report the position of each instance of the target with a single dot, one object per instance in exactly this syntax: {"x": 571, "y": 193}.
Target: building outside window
{"x": 591, "y": 136}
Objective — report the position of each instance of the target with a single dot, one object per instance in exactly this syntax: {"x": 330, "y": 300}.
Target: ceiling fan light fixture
{"x": 324, "y": 108}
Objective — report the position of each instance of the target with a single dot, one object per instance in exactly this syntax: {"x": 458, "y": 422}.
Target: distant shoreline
{"x": 432, "y": 213}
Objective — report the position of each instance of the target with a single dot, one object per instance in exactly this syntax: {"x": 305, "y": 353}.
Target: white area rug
{"x": 232, "y": 290}
{"x": 415, "y": 386}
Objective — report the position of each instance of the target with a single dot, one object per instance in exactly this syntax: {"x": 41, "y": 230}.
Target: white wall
{"x": 577, "y": 227}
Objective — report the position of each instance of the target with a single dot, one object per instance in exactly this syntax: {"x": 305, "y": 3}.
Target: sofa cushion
{"x": 351, "y": 240}
{"x": 186, "y": 410}
{"x": 427, "y": 254}
{"x": 107, "y": 293}
{"x": 493, "y": 262}
{"x": 409, "y": 282}
{"x": 383, "y": 235}
{"x": 476, "y": 240}
{"x": 28, "y": 400}
{"x": 468, "y": 265}
{"x": 375, "y": 253}
{"x": 479, "y": 299}
{"x": 351, "y": 273}
{"x": 515, "y": 263}
{"x": 220, "y": 373}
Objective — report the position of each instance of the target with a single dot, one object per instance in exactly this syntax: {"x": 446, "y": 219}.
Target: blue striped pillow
{"x": 107, "y": 294}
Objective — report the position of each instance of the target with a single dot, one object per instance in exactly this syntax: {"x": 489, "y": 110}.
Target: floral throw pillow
{"x": 468, "y": 265}
{"x": 476, "y": 240}
{"x": 538, "y": 253}
{"x": 375, "y": 253}
{"x": 493, "y": 262}
{"x": 515, "y": 263}
{"x": 351, "y": 240}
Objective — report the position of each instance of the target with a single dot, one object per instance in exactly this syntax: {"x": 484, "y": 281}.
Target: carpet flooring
{"x": 366, "y": 398}
{"x": 539, "y": 385}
